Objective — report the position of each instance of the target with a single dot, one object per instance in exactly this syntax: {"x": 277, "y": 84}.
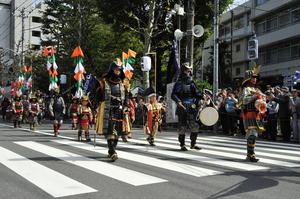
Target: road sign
{"x": 290, "y": 73}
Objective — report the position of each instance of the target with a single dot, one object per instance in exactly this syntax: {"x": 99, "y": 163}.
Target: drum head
{"x": 209, "y": 116}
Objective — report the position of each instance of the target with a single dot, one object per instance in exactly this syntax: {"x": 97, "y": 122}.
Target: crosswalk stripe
{"x": 199, "y": 158}
{"x": 233, "y": 148}
{"x": 232, "y": 155}
{"x": 52, "y": 182}
{"x": 110, "y": 170}
{"x": 280, "y": 145}
{"x": 177, "y": 167}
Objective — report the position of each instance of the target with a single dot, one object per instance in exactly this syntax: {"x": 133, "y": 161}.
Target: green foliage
{"x": 104, "y": 29}
{"x": 203, "y": 85}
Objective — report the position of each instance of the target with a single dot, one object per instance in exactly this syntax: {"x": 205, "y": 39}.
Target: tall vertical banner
{"x": 88, "y": 83}
{"x": 51, "y": 67}
{"x": 176, "y": 56}
{"x": 171, "y": 116}
{"x": 79, "y": 70}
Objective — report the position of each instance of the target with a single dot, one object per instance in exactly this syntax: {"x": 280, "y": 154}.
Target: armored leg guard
{"x": 115, "y": 142}
{"x": 181, "y": 139}
{"x": 111, "y": 150}
{"x": 87, "y": 136}
{"x": 19, "y": 124}
{"x": 250, "y": 149}
{"x": 150, "y": 139}
{"x": 79, "y": 135}
{"x": 55, "y": 127}
{"x": 193, "y": 138}
{"x": 124, "y": 136}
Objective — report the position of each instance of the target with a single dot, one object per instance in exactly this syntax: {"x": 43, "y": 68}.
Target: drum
{"x": 209, "y": 116}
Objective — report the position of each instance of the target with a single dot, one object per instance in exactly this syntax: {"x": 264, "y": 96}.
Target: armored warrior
{"x": 25, "y": 103}
{"x": 72, "y": 112}
{"x": 153, "y": 119}
{"x": 185, "y": 94}
{"x": 17, "y": 109}
{"x": 85, "y": 118}
{"x": 41, "y": 105}
{"x": 129, "y": 117}
{"x": 57, "y": 110}
{"x": 34, "y": 109}
{"x": 111, "y": 98}
{"x": 251, "y": 111}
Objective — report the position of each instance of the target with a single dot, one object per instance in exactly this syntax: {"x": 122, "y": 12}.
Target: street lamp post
{"x": 154, "y": 53}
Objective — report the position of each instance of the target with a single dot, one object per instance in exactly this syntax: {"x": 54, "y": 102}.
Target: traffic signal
{"x": 252, "y": 49}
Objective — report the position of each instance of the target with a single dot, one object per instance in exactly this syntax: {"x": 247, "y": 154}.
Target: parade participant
{"x": 57, "y": 110}
{"x": 72, "y": 112}
{"x": 33, "y": 109}
{"x": 252, "y": 118}
{"x": 111, "y": 96}
{"x": 129, "y": 117}
{"x": 283, "y": 99}
{"x": 9, "y": 111}
{"x": 273, "y": 108}
{"x": 153, "y": 115}
{"x": 4, "y": 105}
{"x": 184, "y": 94}
{"x": 295, "y": 108}
{"x": 17, "y": 112}
{"x": 41, "y": 105}
{"x": 25, "y": 103}
{"x": 85, "y": 118}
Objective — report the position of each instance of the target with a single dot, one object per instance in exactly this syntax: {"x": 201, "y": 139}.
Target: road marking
{"x": 177, "y": 167}
{"x": 103, "y": 168}
{"x": 52, "y": 182}
{"x": 260, "y": 149}
{"x": 181, "y": 154}
{"x": 233, "y": 155}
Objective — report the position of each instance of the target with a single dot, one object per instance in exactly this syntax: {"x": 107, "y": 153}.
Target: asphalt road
{"x": 38, "y": 165}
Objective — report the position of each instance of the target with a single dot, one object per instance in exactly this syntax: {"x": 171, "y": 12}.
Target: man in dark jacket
{"x": 283, "y": 98}
{"x": 184, "y": 94}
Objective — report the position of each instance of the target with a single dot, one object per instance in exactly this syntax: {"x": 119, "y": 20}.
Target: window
{"x": 237, "y": 71}
{"x": 260, "y": 27}
{"x": 284, "y": 18}
{"x": 258, "y": 2}
{"x": 272, "y": 23}
{"x": 36, "y": 19}
{"x": 238, "y": 48}
{"x": 284, "y": 53}
{"x": 238, "y": 23}
{"x": 261, "y": 57}
{"x": 295, "y": 51}
{"x": 36, "y": 33}
{"x": 296, "y": 15}
{"x": 271, "y": 56}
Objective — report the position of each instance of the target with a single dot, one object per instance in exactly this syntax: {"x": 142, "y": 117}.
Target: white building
{"x": 277, "y": 28}
{"x": 20, "y": 27}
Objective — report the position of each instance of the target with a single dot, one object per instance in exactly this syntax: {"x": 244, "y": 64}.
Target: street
{"x": 34, "y": 164}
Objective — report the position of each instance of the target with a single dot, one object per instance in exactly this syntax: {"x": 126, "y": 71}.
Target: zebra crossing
{"x": 218, "y": 155}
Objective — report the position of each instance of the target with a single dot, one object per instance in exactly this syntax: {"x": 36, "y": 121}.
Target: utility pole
{"x": 231, "y": 48}
{"x": 23, "y": 16}
{"x": 179, "y": 27}
{"x": 189, "y": 35}
{"x": 22, "y": 38}
{"x": 216, "y": 53}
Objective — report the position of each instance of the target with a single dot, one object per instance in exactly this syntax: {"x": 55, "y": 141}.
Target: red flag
{"x": 131, "y": 53}
{"x": 46, "y": 51}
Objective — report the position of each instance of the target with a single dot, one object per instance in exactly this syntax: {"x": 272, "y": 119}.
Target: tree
{"x": 152, "y": 20}
{"x": 72, "y": 23}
